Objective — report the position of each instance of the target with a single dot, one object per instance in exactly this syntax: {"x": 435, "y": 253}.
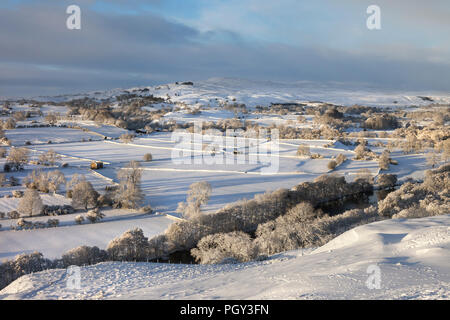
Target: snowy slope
{"x": 413, "y": 257}
{"x": 256, "y": 92}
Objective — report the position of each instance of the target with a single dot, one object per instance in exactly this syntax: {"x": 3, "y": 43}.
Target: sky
{"x": 126, "y": 43}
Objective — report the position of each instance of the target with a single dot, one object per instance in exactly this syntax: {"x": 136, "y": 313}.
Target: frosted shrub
{"x": 223, "y": 247}
{"x": 332, "y": 165}
{"x": 126, "y": 137}
{"x": 148, "y": 157}
{"x": 130, "y": 246}
{"x": 94, "y": 215}
{"x": 84, "y": 255}
{"x": 52, "y": 223}
{"x": 303, "y": 150}
{"x": 79, "y": 219}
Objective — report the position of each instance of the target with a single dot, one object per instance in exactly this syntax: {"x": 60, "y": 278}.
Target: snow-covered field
{"x": 53, "y": 242}
{"x": 412, "y": 258}
{"x": 413, "y": 255}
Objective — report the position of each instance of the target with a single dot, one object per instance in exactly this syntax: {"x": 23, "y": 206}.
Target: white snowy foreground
{"x": 413, "y": 257}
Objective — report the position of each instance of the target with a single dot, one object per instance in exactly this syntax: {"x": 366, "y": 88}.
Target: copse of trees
{"x": 21, "y": 265}
{"x": 411, "y": 200}
{"x": 45, "y": 181}
{"x": 50, "y": 158}
{"x": 382, "y": 122}
{"x": 246, "y": 215}
{"x": 84, "y": 255}
{"x": 225, "y": 248}
{"x": 16, "y": 159}
{"x": 130, "y": 246}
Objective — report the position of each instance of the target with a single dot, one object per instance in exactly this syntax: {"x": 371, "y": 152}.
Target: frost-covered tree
{"x": 31, "y": 203}
{"x": 49, "y": 158}
{"x": 94, "y": 215}
{"x": 129, "y": 193}
{"x": 386, "y": 180}
{"x": 84, "y": 255}
{"x": 130, "y": 246}
{"x": 55, "y": 179}
{"x": 198, "y": 194}
{"x": 84, "y": 195}
{"x": 384, "y": 160}
{"x": 225, "y": 248}
{"x": 17, "y": 158}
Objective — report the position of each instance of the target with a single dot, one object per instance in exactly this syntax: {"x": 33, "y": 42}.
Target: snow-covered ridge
{"x": 413, "y": 257}
{"x": 254, "y": 92}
